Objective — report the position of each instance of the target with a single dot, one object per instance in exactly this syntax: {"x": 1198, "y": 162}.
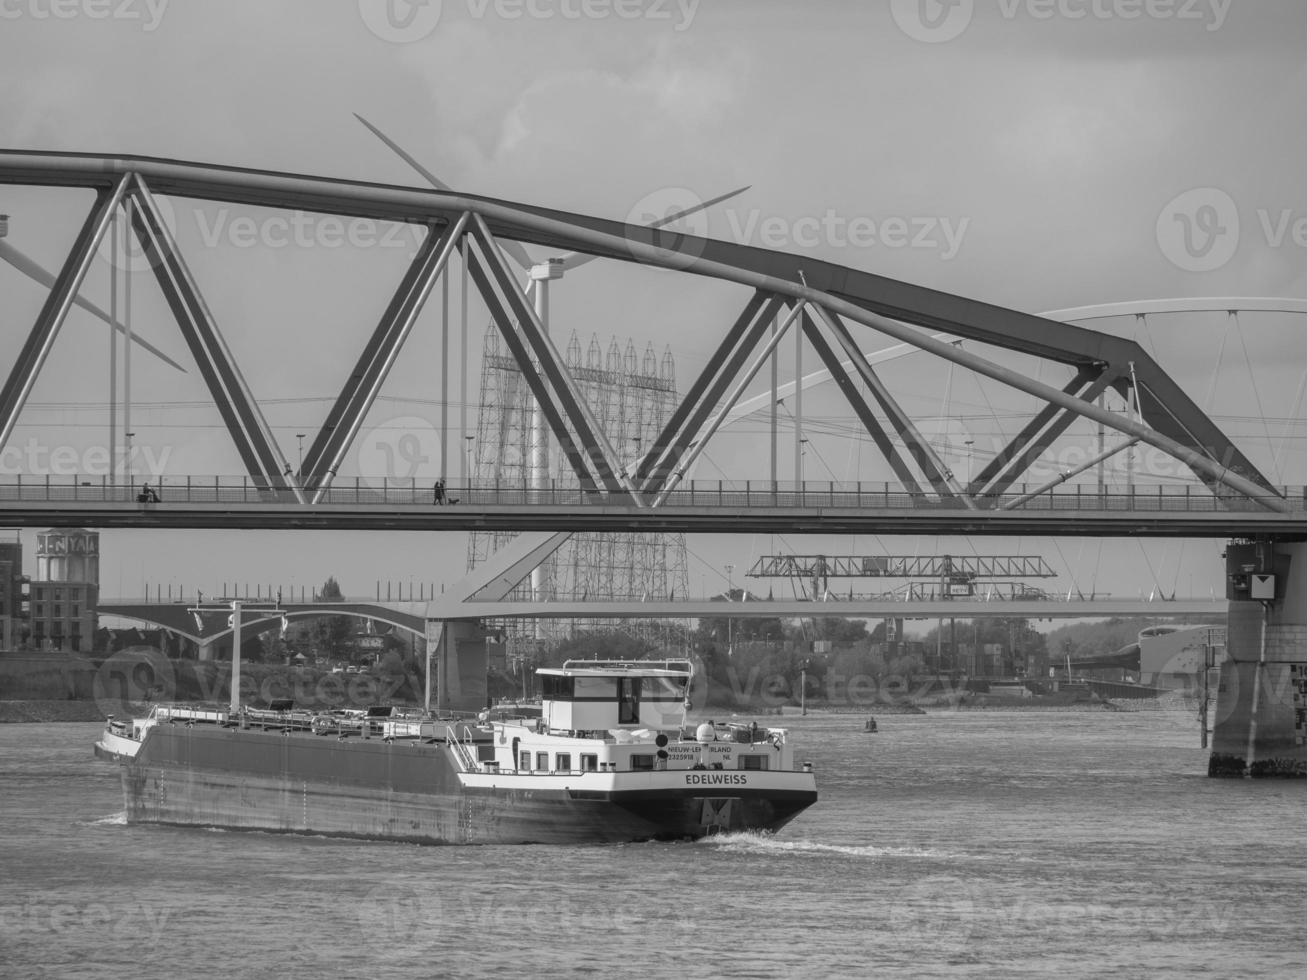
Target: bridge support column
{"x": 1261, "y": 708}
{"x": 461, "y": 664}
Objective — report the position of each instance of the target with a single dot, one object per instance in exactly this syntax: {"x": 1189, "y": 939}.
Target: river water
{"x": 957, "y": 844}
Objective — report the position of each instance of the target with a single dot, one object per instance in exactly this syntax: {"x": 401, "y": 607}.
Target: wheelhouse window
{"x": 628, "y": 700}
{"x": 542, "y": 761}
{"x": 753, "y": 762}
{"x": 525, "y": 762}
{"x": 589, "y": 762}
{"x": 563, "y": 762}
{"x": 642, "y": 761}
{"x": 555, "y": 688}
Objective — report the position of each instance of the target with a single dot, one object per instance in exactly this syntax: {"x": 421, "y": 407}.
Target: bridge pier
{"x": 1261, "y": 707}
{"x": 461, "y": 664}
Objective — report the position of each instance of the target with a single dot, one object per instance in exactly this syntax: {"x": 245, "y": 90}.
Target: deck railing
{"x": 358, "y": 492}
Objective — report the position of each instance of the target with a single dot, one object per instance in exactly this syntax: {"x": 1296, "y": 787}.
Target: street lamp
{"x": 467, "y": 456}
{"x": 730, "y": 621}
{"x": 131, "y": 478}
{"x": 299, "y": 473}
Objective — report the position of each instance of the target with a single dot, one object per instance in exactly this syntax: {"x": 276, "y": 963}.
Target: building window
{"x": 58, "y": 611}
{"x": 589, "y": 762}
{"x": 40, "y": 593}
{"x": 563, "y": 762}
{"x": 753, "y": 762}
{"x": 642, "y": 761}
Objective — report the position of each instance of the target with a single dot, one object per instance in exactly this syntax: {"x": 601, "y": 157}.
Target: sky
{"x": 1038, "y": 154}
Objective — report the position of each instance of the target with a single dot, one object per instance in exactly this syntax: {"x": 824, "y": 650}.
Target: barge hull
{"x": 411, "y": 791}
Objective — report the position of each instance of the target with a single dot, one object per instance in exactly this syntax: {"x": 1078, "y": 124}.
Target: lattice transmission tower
{"x": 632, "y": 396}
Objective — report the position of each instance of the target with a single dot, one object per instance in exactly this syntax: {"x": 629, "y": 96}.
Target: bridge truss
{"x": 823, "y": 301}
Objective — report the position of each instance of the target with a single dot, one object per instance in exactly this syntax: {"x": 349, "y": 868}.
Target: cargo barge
{"x": 611, "y": 758}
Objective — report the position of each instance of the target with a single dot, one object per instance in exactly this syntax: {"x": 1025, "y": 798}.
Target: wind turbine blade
{"x": 513, "y": 249}
{"x": 698, "y": 207}
{"x": 573, "y": 259}
{"x": 404, "y": 155}
{"x": 36, "y": 272}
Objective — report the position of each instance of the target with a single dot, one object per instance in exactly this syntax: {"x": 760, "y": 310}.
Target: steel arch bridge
{"x": 821, "y": 301}
{"x": 179, "y": 619}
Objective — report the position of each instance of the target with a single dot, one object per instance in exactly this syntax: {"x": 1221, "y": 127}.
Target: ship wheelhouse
{"x": 600, "y": 696}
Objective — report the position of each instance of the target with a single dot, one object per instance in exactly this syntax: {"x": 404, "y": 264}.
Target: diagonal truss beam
{"x": 725, "y": 364}
{"x": 1171, "y": 412}
{"x": 1061, "y": 478}
{"x": 1023, "y": 452}
{"x": 701, "y": 441}
{"x": 1083, "y": 376}
{"x": 378, "y": 357}
{"x": 939, "y": 475}
{"x": 258, "y": 449}
{"x": 22, "y": 377}
{"x": 591, "y": 435}
{"x": 553, "y": 414}
{"x": 663, "y": 441}
{"x": 860, "y": 407}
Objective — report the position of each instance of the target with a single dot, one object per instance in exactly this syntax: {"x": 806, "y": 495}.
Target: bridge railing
{"x": 738, "y": 494}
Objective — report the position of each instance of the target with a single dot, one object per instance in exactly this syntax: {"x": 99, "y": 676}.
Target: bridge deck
{"x": 1163, "y": 510}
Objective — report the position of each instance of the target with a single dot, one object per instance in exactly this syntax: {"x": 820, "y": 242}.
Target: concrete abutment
{"x": 1260, "y": 725}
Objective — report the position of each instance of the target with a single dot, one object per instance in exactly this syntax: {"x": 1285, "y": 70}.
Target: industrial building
{"x": 56, "y": 609}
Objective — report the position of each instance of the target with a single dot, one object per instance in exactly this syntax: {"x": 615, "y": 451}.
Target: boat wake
{"x": 755, "y": 843}
{"x": 118, "y": 819}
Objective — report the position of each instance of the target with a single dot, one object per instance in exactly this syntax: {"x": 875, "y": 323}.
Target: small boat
{"x": 611, "y": 757}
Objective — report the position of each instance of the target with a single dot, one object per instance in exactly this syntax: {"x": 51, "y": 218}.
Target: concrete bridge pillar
{"x": 460, "y": 664}
{"x": 1261, "y": 707}
{"x": 208, "y": 649}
